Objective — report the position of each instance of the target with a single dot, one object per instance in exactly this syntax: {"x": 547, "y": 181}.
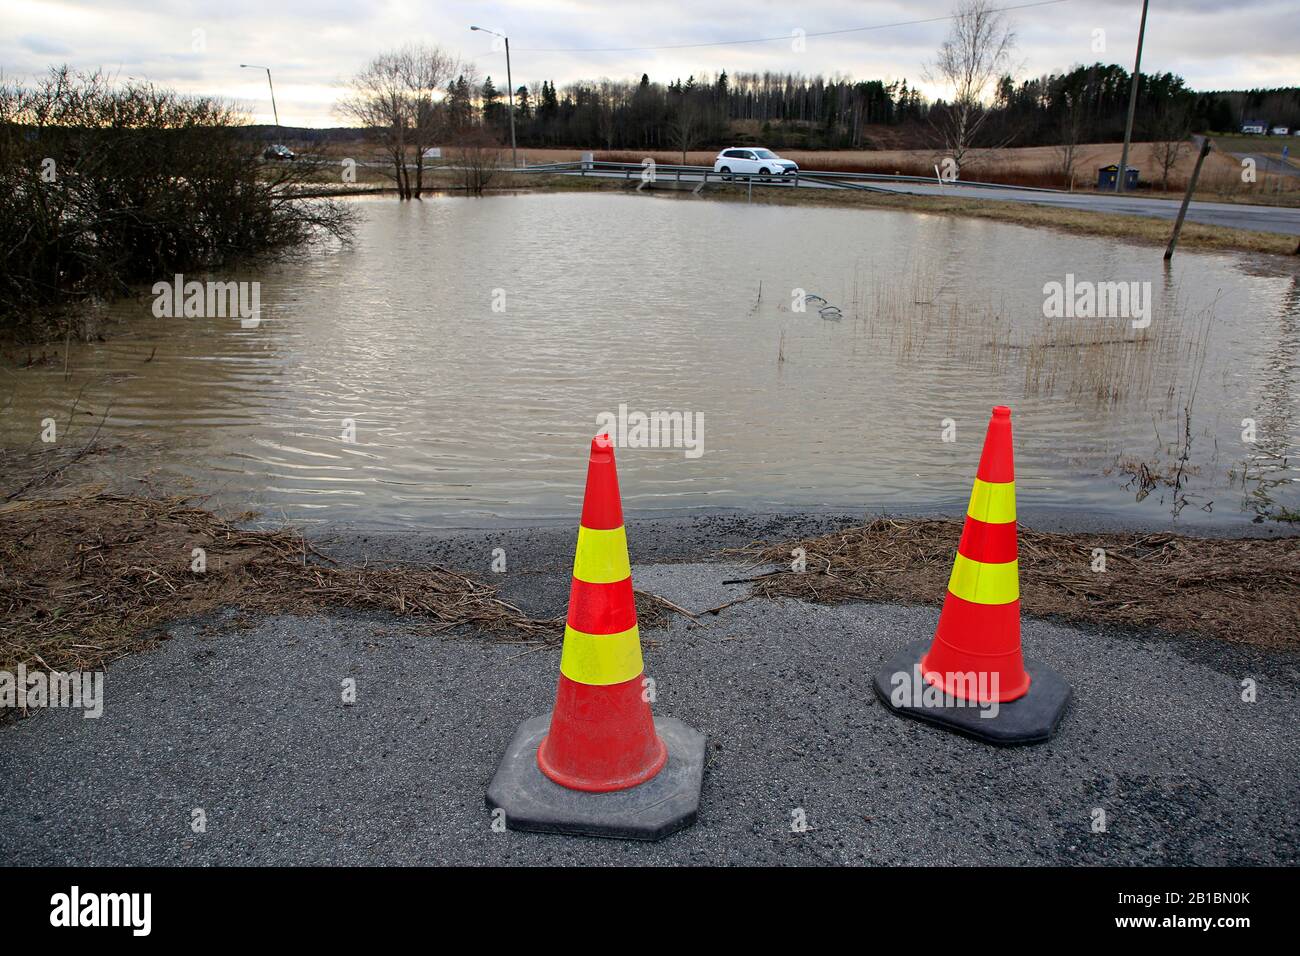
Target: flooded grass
{"x": 924, "y": 319}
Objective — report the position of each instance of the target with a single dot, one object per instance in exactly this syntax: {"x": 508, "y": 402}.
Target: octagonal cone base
{"x": 664, "y": 804}
{"x": 1031, "y": 719}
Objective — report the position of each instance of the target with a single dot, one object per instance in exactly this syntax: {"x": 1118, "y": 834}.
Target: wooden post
{"x": 1187, "y": 198}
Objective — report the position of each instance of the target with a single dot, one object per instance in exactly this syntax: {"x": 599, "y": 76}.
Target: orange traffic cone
{"x": 601, "y": 764}
{"x": 602, "y": 735}
{"x": 973, "y": 679}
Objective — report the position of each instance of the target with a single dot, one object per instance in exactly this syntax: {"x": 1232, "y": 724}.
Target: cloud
{"x": 44, "y": 45}
{"x": 313, "y": 46}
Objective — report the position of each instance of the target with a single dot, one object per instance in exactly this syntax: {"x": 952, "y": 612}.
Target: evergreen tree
{"x": 493, "y": 112}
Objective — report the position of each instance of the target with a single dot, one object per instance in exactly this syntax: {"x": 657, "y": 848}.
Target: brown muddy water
{"x": 449, "y": 368}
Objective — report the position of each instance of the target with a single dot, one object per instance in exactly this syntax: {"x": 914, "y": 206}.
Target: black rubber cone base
{"x": 1032, "y": 719}
{"x": 664, "y": 804}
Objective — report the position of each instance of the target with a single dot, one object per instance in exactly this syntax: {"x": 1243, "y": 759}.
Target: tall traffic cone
{"x": 601, "y": 764}
{"x": 974, "y": 679}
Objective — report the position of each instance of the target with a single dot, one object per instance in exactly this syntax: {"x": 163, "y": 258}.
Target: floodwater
{"x": 449, "y": 368}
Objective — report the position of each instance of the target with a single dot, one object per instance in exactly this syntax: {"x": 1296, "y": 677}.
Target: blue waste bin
{"x": 1106, "y": 176}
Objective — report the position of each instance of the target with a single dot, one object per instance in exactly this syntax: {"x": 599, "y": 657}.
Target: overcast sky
{"x": 313, "y": 46}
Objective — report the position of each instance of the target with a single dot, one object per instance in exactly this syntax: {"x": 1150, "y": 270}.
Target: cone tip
{"x": 1001, "y": 411}
{"x": 602, "y": 449}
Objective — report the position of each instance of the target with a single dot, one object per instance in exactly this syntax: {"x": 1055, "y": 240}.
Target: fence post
{"x": 1187, "y": 197}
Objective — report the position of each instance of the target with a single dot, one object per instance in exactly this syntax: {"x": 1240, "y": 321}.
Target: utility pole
{"x": 1132, "y": 103}
{"x": 510, "y": 93}
{"x": 251, "y": 66}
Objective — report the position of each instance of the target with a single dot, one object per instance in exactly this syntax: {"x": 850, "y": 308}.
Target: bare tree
{"x": 426, "y": 71}
{"x": 477, "y": 156}
{"x": 978, "y": 49}
{"x": 605, "y": 119}
{"x": 687, "y": 125}
{"x": 396, "y": 98}
{"x": 1170, "y": 140}
{"x": 1068, "y": 152}
{"x": 378, "y": 103}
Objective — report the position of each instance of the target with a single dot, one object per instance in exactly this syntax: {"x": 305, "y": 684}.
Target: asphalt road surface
{"x": 247, "y": 724}
{"x": 1276, "y": 165}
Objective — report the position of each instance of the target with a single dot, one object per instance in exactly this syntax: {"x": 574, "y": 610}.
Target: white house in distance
{"x": 1280, "y": 131}
{"x": 1255, "y": 126}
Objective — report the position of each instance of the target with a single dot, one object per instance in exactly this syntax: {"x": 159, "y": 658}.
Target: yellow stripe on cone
{"x": 601, "y": 658}
{"x": 993, "y": 502}
{"x": 601, "y": 556}
{"x": 983, "y": 583}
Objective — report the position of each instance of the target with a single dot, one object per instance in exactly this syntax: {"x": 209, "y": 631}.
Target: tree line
{"x": 1086, "y": 103}
{"x": 785, "y": 110}
{"x": 418, "y": 97}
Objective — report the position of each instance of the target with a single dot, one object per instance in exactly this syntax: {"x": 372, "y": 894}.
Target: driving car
{"x": 749, "y": 160}
{"x": 278, "y": 151}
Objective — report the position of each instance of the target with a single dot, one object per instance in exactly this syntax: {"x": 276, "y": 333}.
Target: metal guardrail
{"x": 823, "y": 177}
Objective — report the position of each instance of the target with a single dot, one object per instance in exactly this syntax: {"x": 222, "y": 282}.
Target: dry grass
{"x": 87, "y": 579}
{"x": 1244, "y": 590}
{"x": 1080, "y": 222}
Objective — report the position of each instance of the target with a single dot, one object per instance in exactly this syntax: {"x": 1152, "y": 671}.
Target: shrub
{"x": 104, "y": 186}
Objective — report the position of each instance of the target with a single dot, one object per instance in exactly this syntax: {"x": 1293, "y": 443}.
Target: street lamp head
{"x": 473, "y": 28}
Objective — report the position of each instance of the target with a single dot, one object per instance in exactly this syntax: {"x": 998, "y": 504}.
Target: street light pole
{"x": 251, "y": 66}
{"x": 510, "y": 93}
{"x": 1132, "y": 103}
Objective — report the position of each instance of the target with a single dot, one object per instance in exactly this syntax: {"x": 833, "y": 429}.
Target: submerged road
{"x": 246, "y": 724}
{"x": 1277, "y": 219}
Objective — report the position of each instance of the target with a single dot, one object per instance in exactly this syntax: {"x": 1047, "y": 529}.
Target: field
{"x": 1037, "y": 166}
{"x": 1033, "y": 166}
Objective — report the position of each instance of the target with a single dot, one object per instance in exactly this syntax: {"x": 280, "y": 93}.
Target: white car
{"x": 749, "y": 161}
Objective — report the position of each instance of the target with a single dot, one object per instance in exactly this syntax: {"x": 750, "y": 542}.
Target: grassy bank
{"x": 1129, "y": 228}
